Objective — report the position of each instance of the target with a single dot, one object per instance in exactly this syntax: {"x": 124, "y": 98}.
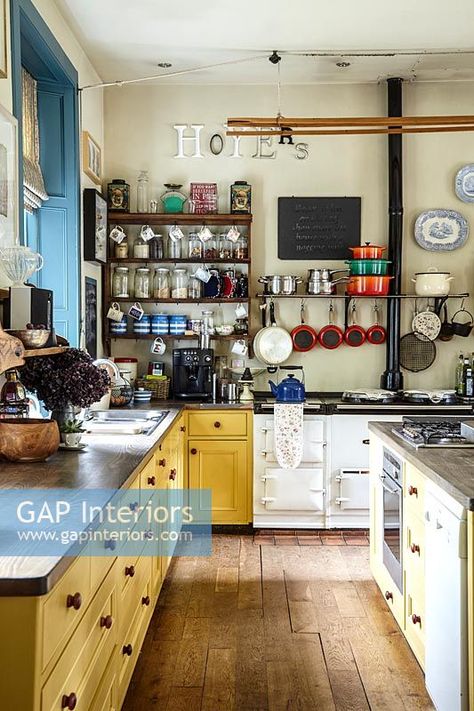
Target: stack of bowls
{"x": 368, "y": 271}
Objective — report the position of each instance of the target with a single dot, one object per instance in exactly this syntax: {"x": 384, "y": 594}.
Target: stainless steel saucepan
{"x": 276, "y": 284}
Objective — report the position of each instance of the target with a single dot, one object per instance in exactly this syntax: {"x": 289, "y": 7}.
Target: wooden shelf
{"x": 35, "y": 352}
{"x": 203, "y": 300}
{"x": 136, "y": 260}
{"x": 168, "y": 337}
{"x": 182, "y": 218}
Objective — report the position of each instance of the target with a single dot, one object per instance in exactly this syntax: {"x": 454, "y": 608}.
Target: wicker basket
{"x": 159, "y": 388}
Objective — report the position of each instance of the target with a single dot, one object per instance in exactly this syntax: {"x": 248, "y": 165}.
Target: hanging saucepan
{"x": 304, "y": 337}
{"x": 376, "y": 334}
{"x": 331, "y": 336}
{"x": 272, "y": 345}
{"x": 354, "y": 335}
{"x": 462, "y": 328}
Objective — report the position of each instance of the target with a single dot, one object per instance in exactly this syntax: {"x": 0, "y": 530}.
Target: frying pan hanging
{"x": 376, "y": 334}
{"x": 304, "y": 337}
{"x": 272, "y": 344}
{"x": 354, "y": 335}
{"x": 331, "y": 336}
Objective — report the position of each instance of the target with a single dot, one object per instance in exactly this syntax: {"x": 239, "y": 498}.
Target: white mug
{"x": 159, "y": 346}
{"x": 114, "y": 313}
{"x": 240, "y": 348}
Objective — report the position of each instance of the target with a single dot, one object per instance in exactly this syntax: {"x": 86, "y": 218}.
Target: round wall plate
{"x": 441, "y": 230}
{"x": 464, "y": 183}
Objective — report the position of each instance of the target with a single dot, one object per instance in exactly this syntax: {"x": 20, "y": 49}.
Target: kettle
{"x": 290, "y": 390}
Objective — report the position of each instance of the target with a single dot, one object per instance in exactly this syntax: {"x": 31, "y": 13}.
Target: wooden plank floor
{"x": 274, "y": 628}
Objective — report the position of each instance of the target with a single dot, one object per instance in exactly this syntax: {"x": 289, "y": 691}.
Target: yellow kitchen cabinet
{"x": 221, "y": 466}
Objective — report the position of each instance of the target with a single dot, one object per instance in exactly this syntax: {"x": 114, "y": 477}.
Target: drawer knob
{"x": 389, "y": 595}
{"x": 183, "y": 428}
{"x": 146, "y": 600}
{"x": 127, "y": 649}
{"x": 217, "y": 424}
{"x": 173, "y": 474}
{"x": 110, "y": 545}
{"x": 416, "y": 619}
{"x": 69, "y": 701}
{"x": 152, "y": 480}
{"x": 107, "y": 621}
{"x": 415, "y": 548}
{"x": 130, "y": 570}
{"x": 412, "y": 491}
{"x": 366, "y": 441}
{"x": 74, "y": 601}
{"x": 194, "y": 450}
{"x": 162, "y": 462}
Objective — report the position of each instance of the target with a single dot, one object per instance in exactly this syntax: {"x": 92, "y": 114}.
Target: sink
{"x": 124, "y": 421}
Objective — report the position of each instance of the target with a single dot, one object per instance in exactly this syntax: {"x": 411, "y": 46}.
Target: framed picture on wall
{"x": 91, "y": 157}
{"x": 8, "y": 178}
{"x": 3, "y": 39}
{"x": 95, "y": 226}
{"x": 90, "y": 325}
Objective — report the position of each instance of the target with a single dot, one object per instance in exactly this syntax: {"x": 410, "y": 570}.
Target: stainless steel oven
{"x": 392, "y": 497}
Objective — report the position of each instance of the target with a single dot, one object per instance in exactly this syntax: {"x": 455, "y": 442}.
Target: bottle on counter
{"x": 458, "y": 384}
{"x": 468, "y": 379}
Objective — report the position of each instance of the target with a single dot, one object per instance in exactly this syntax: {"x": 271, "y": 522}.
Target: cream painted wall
{"x": 92, "y": 110}
{"x": 139, "y": 135}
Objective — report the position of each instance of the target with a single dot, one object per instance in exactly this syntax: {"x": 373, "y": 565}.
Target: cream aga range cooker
{"x": 330, "y": 488}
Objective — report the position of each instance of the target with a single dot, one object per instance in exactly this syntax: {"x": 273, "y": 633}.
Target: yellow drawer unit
{"x": 414, "y": 549}
{"x": 75, "y": 678}
{"x": 414, "y": 490}
{"x": 106, "y": 696}
{"x": 392, "y": 595}
{"x": 415, "y": 620}
{"x": 64, "y": 607}
{"x": 217, "y": 424}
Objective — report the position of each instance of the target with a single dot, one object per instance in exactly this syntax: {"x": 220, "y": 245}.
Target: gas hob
{"x": 434, "y": 433}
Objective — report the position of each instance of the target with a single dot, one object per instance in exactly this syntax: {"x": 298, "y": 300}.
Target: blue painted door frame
{"x": 54, "y": 229}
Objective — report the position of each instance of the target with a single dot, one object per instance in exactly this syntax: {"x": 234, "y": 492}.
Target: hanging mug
{"x": 158, "y": 346}
{"x": 136, "y": 311}
{"x": 240, "y": 348}
{"x": 114, "y": 313}
{"x": 117, "y": 234}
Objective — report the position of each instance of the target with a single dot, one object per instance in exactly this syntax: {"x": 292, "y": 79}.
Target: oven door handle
{"x": 396, "y": 491}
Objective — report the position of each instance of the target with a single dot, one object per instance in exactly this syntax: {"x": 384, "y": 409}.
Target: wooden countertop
{"x": 450, "y": 469}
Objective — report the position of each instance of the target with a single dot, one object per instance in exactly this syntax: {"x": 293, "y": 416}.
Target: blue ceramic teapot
{"x": 290, "y": 390}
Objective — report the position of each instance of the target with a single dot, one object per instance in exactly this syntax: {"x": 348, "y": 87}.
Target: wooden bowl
{"x": 28, "y": 440}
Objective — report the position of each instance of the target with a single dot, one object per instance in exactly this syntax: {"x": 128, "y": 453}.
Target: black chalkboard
{"x": 318, "y": 227}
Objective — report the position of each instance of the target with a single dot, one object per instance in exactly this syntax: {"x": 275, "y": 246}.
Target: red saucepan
{"x": 331, "y": 336}
{"x": 354, "y": 335}
{"x": 368, "y": 251}
{"x": 376, "y": 334}
{"x": 304, "y": 337}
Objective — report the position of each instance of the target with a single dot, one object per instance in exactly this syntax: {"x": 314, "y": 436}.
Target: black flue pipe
{"x": 392, "y": 378}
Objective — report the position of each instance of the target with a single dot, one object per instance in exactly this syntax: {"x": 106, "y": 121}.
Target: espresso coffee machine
{"x": 192, "y": 373}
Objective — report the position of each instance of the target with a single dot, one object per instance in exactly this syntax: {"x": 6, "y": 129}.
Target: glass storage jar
{"x": 194, "y": 287}
{"x": 207, "y": 322}
{"x": 142, "y": 283}
{"x": 174, "y": 248}
{"x": 225, "y": 247}
{"x": 241, "y": 248}
{"x": 120, "y": 282}
{"x": 155, "y": 247}
{"x": 141, "y": 248}
{"x": 162, "y": 287}
{"x": 179, "y": 285}
{"x": 195, "y": 246}
{"x": 210, "y": 248}
{"x": 142, "y": 191}
{"x": 121, "y": 249}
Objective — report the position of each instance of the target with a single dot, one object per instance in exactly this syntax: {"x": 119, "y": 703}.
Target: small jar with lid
{"x": 174, "y": 248}
{"x": 211, "y": 250}
{"x": 225, "y": 247}
{"x": 194, "y": 287}
{"x": 179, "y": 285}
{"x": 120, "y": 282}
{"x": 121, "y": 249}
{"x": 241, "y": 248}
{"x": 162, "y": 286}
{"x": 141, "y": 248}
{"x": 195, "y": 246}
{"x": 155, "y": 247}
{"x": 207, "y": 322}
{"x": 142, "y": 283}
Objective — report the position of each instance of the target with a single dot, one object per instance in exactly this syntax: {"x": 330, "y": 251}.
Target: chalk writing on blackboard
{"x": 317, "y": 228}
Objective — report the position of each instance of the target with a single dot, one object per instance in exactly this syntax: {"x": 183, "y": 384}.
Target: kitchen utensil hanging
{"x": 446, "y": 332}
{"x": 427, "y": 322}
{"x": 417, "y": 352}
{"x": 304, "y": 337}
{"x": 376, "y": 334}
{"x": 331, "y": 336}
{"x": 354, "y": 335}
{"x": 462, "y": 328}
{"x": 272, "y": 344}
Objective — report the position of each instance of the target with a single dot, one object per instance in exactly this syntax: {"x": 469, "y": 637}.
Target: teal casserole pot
{"x": 368, "y": 267}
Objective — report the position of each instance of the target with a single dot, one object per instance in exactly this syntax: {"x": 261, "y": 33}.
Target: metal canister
{"x": 240, "y": 198}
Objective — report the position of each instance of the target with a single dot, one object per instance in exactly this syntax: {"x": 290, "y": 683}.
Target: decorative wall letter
{"x": 262, "y": 142}
{"x": 302, "y": 151}
{"x": 195, "y": 138}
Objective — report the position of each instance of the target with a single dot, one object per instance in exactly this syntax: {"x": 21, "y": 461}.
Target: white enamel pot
{"x": 432, "y": 283}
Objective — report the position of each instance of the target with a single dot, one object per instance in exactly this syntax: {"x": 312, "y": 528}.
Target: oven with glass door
{"x": 392, "y": 499}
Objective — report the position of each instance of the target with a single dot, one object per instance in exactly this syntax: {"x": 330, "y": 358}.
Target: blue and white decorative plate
{"x": 464, "y": 183}
{"x": 441, "y": 230}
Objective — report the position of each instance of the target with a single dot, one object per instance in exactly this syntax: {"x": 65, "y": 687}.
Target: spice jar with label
{"x": 179, "y": 286}
{"x": 195, "y": 246}
{"x": 120, "y": 282}
{"x": 162, "y": 288}
{"x": 225, "y": 247}
{"x": 142, "y": 283}
{"x": 121, "y": 249}
{"x": 141, "y": 248}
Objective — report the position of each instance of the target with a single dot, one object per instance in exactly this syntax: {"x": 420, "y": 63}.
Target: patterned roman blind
{"x": 33, "y": 184}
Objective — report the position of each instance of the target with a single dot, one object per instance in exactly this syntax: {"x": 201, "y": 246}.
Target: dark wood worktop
{"x": 449, "y": 468}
